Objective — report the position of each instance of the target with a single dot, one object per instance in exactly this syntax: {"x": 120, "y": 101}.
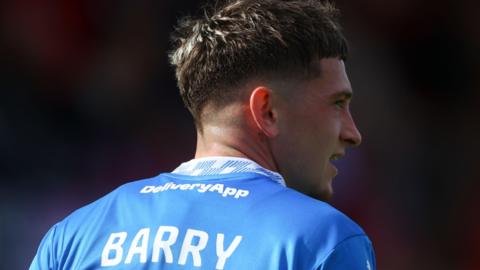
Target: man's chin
{"x": 322, "y": 195}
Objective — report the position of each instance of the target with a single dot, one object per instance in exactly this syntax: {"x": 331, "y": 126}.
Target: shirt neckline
{"x": 217, "y": 165}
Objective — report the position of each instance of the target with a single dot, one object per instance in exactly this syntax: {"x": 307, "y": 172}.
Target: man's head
{"x": 281, "y": 62}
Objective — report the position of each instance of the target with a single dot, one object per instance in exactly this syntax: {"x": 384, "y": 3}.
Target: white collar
{"x": 223, "y": 165}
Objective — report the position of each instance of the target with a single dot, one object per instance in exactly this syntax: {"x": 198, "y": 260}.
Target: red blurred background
{"x": 88, "y": 102}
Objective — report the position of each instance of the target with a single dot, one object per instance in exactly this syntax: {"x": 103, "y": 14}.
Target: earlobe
{"x": 262, "y": 110}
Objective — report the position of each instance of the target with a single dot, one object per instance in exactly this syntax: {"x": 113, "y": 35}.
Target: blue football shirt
{"x": 210, "y": 213}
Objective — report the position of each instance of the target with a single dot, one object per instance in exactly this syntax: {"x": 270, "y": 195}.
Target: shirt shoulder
{"x": 311, "y": 214}
{"x": 82, "y": 224}
{"x": 306, "y": 228}
{"x": 355, "y": 253}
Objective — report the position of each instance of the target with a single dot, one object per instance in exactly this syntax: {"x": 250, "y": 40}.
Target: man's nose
{"x": 350, "y": 133}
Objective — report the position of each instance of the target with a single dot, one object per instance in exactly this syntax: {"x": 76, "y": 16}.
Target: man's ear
{"x": 261, "y": 108}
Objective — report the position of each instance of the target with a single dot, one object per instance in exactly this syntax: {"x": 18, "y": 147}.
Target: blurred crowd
{"x": 89, "y": 102}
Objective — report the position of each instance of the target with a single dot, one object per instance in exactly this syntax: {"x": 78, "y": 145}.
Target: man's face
{"x": 315, "y": 127}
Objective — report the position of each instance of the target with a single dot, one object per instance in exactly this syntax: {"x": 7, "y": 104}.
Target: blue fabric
{"x": 244, "y": 220}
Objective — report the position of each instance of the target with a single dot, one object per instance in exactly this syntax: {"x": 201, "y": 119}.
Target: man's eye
{"x": 340, "y": 103}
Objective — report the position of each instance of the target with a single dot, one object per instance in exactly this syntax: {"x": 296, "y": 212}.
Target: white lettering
{"x": 139, "y": 248}
{"x": 241, "y": 193}
{"x": 222, "y": 254}
{"x": 204, "y": 187}
{"x": 194, "y": 186}
{"x": 217, "y": 187}
{"x": 114, "y": 243}
{"x": 147, "y": 189}
{"x": 189, "y": 247}
{"x": 164, "y": 245}
{"x": 184, "y": 186}
{"x": 229, "y": 192}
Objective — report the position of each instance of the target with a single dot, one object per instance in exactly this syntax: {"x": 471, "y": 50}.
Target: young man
{"x": 266, "y": 85}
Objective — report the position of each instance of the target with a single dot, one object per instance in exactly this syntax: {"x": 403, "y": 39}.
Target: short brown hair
{"x": 245, "y": 38}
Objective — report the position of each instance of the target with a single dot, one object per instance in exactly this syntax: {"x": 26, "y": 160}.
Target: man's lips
{"x": 337, "y": 156}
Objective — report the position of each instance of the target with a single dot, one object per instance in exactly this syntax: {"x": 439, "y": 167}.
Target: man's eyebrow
{"x": 346, "y": 94}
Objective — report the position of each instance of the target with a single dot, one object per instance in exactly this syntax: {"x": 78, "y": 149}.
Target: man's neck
{"x": 217, "y": 141}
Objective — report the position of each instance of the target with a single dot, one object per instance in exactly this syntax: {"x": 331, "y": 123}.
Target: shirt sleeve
{"x": 45, "y": 257}
{"x": 354, "y": 253}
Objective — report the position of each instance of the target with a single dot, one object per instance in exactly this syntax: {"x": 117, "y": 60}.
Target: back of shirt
{"x": 239, "y": 220}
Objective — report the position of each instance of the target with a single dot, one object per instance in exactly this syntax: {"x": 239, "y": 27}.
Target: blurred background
{"x": 89, "y": 102}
